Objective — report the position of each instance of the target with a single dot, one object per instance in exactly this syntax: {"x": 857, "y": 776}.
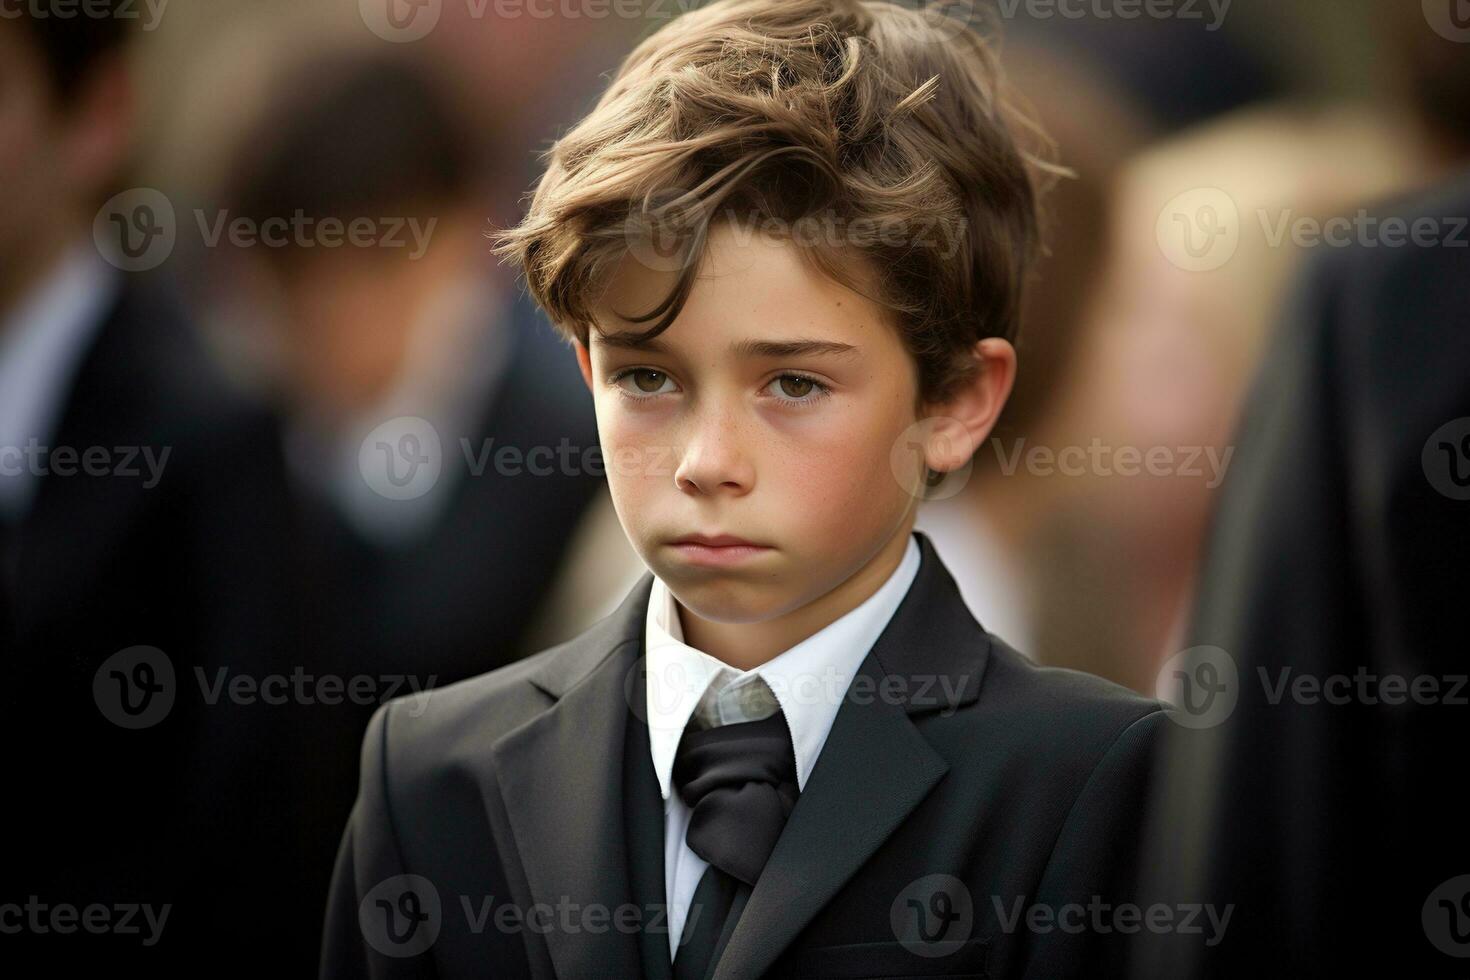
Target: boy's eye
{"x": 797, "y": 388}
{"x": 636, "y": 382}
{"x": 794, "y": 385}
{"x": 645, "y": 381}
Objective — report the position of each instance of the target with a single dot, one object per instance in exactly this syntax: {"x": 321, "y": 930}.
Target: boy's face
{"x": 712, "y": 429}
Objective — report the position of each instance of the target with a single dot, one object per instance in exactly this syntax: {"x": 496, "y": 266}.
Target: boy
{"x": 792, "y": 750}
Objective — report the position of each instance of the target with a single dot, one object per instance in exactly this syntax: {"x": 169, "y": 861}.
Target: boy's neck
{"x": 746, "y": 646}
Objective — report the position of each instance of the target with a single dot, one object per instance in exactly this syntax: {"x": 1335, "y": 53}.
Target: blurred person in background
{"x": 439, "y": 435}
{"x": 1211, "y": 226}
{"x": 1094, "y": 570}
{"x": 141, "y": 506}
{"x": 1313, "y": 784}
{"x": 1200, "y": 255}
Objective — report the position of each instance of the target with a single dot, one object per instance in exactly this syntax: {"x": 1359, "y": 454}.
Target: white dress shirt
{"x": 809, "y": 681}
{"x": 42, "y": 343}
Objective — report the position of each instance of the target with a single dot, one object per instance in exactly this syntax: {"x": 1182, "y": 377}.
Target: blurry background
{"x": 256, "y": 236}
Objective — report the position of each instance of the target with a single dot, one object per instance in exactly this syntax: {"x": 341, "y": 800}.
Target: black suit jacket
{"x": 1329, "y": 820}
{"x": 509, "y": 790}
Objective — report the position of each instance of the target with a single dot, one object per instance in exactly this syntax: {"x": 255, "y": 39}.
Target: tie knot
{"x": 739, "y": 781}
{"x": 727, "y": 701}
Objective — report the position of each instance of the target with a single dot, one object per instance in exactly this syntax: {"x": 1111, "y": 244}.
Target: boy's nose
{"x": 712, "y": 459}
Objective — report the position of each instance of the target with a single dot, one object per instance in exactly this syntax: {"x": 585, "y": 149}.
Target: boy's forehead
{"x": 766, "y": 291}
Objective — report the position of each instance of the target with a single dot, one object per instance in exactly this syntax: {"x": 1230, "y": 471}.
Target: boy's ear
{"x": 584, "y": 361}
{"x": 959, "y": 425}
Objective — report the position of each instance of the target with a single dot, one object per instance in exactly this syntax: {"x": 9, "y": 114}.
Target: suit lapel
{"x": 874, "y": 770}
{"x": 644, "y": 825}
{"x": 560, "y": 777}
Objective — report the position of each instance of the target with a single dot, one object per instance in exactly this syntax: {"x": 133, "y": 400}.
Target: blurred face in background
{"x": 347, "y": 320}
{"x": 32, "y": 183}
{"x": 58, "y": 155}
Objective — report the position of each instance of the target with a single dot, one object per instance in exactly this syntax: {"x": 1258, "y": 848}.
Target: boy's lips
{"x": 717, "y": 550}
{"x": 717, "y": 541}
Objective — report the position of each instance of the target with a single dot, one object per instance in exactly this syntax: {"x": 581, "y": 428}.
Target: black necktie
{"x": 739, "y": 781}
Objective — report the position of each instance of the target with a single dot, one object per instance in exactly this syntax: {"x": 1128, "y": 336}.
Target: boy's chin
{"x": 728, "y": 599}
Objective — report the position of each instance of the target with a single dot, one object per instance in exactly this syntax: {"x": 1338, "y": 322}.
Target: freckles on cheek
{"x": 831, "y": 478}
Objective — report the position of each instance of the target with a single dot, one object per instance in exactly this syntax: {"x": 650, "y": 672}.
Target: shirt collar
{"x": 809, "y": 679}
{"x": 42, "y": 343}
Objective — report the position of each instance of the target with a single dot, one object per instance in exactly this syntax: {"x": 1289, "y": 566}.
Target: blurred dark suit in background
{"x": 143, "y": 508}
{"x": 423, "y": 609}
{"x": 1339, "y": 550}
{"x": 364, "y": 347}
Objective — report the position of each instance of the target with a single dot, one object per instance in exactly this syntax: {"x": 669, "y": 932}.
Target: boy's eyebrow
{"x": 739, "y": 348}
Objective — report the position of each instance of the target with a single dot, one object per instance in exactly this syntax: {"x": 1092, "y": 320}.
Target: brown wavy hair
{"x": 890, "y": 123}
